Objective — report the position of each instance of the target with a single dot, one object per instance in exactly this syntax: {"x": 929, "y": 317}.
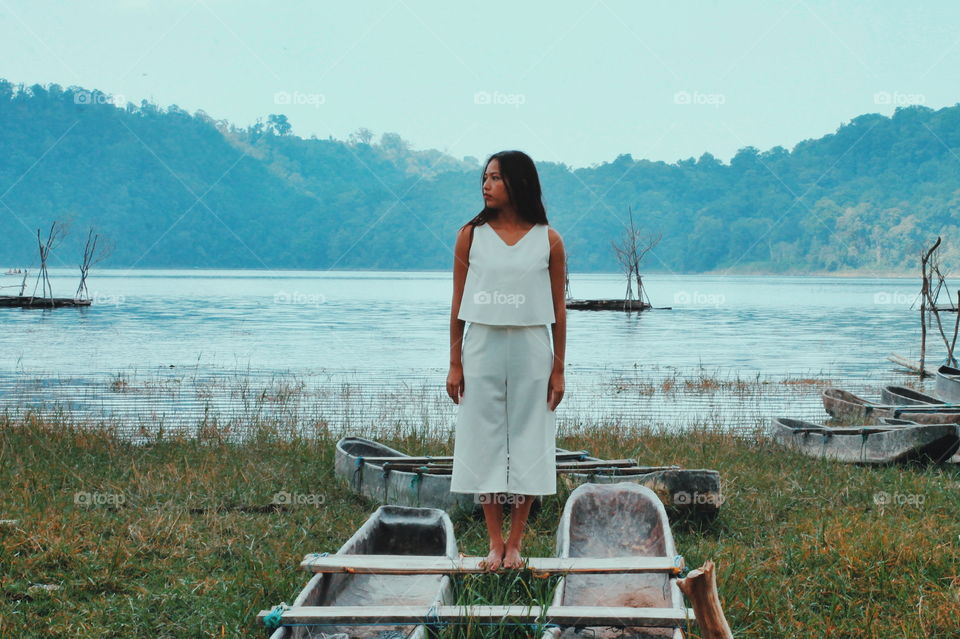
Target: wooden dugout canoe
{"x": 683, "y": 491}
{"x": 948, "y": 383}
{"x": 361, "y": 463}
{"x": 405, "y": 488}
{"x": 873, "y": 444}
{"x": 901, "y": 395}
{"x": 615, "y": 520}
{"x": 846, "y": 406}
{"x": 367, "y": 466}
{"x": 390, "y": 530}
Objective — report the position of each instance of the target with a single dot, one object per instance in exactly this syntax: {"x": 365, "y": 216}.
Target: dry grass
{"x": 176, "y": 537}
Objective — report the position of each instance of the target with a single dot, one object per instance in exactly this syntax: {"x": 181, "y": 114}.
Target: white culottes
{"x": 505, "y": 438}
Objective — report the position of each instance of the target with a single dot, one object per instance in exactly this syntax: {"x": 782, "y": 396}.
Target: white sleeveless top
{"x": 508, "y": 285}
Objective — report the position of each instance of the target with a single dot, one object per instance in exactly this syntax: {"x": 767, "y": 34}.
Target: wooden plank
{"x": 946, "y": 409}
{"x": 561, "y": 615}
{"x": 432, "y": 469}
{"x": 608, "y": 463}
{"x": 850, "y": 431}
{"x": 624, "y": 470}
{"x": 427, "y": 564}
{"x": 426, "y": 459}
{"x": 414, "y": 467}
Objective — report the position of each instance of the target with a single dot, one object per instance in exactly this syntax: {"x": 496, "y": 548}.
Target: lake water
{"x": 371, "y": 348}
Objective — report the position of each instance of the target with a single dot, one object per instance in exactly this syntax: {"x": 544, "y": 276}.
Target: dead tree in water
{"x": 90, "y": 257}
{"x": 928, "y": 267}
{"x": 630, "y": 253}
{"x": 57, "y": 231}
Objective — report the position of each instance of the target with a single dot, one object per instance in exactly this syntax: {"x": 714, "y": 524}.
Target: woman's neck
{"x": 508, "y": 217}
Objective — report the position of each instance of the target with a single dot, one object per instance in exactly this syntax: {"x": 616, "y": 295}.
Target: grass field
{"x": 178, "y": 538}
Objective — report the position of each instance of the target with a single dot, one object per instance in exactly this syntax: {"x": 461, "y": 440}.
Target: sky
{"x": 572, "y": 82}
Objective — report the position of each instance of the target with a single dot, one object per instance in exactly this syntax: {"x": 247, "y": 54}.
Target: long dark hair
{"x": 519, "y": 175}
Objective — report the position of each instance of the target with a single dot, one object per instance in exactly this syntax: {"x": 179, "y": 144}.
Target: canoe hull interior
{"x": 683, "y": 491}
{"x": 903, "y": 396}
{"x": 393, "y": 530}
{"x": 616, "y": 520}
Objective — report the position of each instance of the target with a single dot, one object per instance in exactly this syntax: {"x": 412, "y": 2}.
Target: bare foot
{"x": 494, "y": 558}
{"x": 512, "y": 559}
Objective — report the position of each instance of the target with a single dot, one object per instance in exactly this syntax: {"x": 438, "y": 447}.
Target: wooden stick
{"x": 561, "y": 469}
{"x": 924, "y": 290}
{"x": 609, "y": 463}
{"x": 561, "y": 615}
{"x": 433, "y": 565}
{"x": 918, "y": 408}
{"x": 625, "y": 470}
{"x": 426, "y": 459}
{"x": 700, "y": 586}
{"x": 853, "y": 431}
{"x": 956, "y": 328}
{"x": 909, "y": 364}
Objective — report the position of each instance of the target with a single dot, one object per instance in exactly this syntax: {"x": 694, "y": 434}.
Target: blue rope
{"x": 677, "y": 562}
{"x": 358, "y": 473}
{"x": 274, "y": 619}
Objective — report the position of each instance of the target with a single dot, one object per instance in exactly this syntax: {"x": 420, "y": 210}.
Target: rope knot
{"x": 274, "y": 619}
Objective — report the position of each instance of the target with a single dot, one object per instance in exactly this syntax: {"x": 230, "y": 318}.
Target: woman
{"x": 508, "y": 282}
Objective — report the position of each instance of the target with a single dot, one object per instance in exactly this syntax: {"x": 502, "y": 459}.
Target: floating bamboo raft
{"x": 608, "y": 305}
{"x": 28, "y": 301}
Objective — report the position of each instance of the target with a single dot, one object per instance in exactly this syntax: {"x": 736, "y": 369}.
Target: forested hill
{"x": 173, "y": 189}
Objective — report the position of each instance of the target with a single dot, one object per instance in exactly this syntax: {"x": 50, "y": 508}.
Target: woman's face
{"x": 494, "y": 189}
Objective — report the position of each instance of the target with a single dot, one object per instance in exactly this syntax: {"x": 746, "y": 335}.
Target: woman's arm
{"x": 461, "y": 257}
{"x": 558, "y": 267}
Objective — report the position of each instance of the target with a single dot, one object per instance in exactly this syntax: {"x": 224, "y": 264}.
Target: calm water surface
{"x": 371, "y": 348}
